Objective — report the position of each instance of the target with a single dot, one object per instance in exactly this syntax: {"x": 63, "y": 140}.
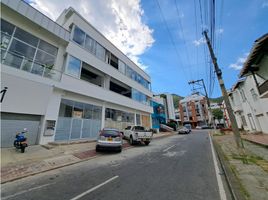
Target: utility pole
{"x": 218, "y": 71}
{"x": 205, "y": 89}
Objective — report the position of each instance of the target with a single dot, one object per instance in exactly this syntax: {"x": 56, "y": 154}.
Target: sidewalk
{"x": 37, "y": 158}
{"x": 249, "y": 172}
{"x": 261, "y": 139}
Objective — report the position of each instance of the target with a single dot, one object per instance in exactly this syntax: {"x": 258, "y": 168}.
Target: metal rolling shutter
{"x": 12, "y": 123}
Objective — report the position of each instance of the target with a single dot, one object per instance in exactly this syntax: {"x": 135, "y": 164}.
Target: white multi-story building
{"x": 249, "y": 96}
{"x": 64, "y": 80}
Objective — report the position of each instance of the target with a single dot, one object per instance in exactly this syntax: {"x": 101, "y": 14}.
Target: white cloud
{"x": 239, "y": 62}
{"x": 118, "y": 20}
{"x": 202, "y": 40}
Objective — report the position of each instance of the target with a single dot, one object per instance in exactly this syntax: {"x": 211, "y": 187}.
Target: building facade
{"x": 249, "y": 96}
{"x": 64, "y": 80}
{"x": 194, "y": 110}
{"x": 158, "y": 116}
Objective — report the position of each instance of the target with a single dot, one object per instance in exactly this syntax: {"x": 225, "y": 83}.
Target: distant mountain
{"x": 176, "y": 99}
{"x": 216, "y": 100}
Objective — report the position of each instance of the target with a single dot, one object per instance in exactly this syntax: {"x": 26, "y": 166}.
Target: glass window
{"x": 66, "y": 108}
{"x": 48, "y": 48}
{"x": 88, "y": 114}
{"x": 97, "y": 113}
{"x": 5, "y": 39}
{"x": 26, "y": 37}
{"x": 122, "y": 67}
{"x": 37, "y": 69}
{"x": 13, "y": 60}
{"x": 90, "y": 44}
{"x": 73, "y": 67}
{"x": 45, "y": 59}
{"x": 7, "y": 27}
{"x": 78, "y": 110}
{"x": 22, "y": 49}
{"x": 100, "y": 51}
{"x": 79, "y": 36}
{"x": 138, "y": 119}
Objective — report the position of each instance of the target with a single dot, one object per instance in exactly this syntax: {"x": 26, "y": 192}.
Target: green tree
{"x": 217, "y": 113}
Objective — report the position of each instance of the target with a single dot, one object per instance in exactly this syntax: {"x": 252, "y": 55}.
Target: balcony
{"x": 20, "y": 62}
{"x": 263, "y": 89}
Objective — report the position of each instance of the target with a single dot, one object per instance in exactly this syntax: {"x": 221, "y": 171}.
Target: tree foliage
{"x": 217, "y": 113}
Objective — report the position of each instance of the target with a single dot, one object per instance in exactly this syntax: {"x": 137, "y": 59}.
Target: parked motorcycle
{"x": 21, "y": 141}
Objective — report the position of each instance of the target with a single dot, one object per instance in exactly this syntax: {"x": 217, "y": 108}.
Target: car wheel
{"x": 97, "y": 149}
{"x": 146, "y": 143}
{"x": 131, "y": 140}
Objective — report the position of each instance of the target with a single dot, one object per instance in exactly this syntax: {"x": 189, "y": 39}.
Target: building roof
{"x": 38, "y": 18}
{"x": 260, "y": 46}
{"x": 238, "y": 83}
{"x": 193, "y": 97}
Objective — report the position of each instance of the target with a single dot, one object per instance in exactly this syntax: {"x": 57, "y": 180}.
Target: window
{"x": 122, "y": 67}
{"x": 46, "y": 59}
{"x": 243, "y": 120}
{"x": 254, "y": 94}
{"x": 6, "y": 27}
{"x": 22, "y": 49}
{"x": 26, "y": 37}
{"x": 100, "y": 51}
{"x": 73, "y": 67}
{"x": 5, "y": 39}
{"x": 66, "y": 108}
{"x": 79, "y": 36}
{"x": 48, "y": 48}
{"x": 90, "y": 45}
{"x": 114, "y": 61}
{"x": 138, "y": 119}
{"x": 243, "y": 95}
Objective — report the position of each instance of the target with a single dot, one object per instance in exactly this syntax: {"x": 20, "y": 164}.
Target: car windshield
{"x": 139, "y": 128}
{"x": 108, "y": 133}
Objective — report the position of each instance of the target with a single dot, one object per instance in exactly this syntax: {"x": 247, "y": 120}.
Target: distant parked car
{"x": 184, "y": 130}
{"x": 198, "y": 127}
{"x": 205, "y": 127}
{"x": 109, "y": 139}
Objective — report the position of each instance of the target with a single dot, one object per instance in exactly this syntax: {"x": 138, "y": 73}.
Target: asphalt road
{"x": 176, "y": 167}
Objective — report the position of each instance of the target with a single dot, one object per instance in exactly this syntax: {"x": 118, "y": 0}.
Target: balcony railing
{"x": 263, "y": 87}
{"x": 22, "y": 63}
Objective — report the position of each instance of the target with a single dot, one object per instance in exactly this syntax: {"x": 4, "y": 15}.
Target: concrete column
{"x": 103, "y": 115}
{"x": 107, "y": 80}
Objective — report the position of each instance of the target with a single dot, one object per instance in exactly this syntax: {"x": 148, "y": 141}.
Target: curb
{"x": 232, "y": 180}
{"x": 69, "y": 164}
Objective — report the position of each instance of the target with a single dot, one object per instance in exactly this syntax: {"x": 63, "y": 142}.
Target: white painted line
{"x": 219, "y": 180}
{"x": 169, "y": 148}
{"x": 28, "y": 190}
{"x": 94, "y": 188}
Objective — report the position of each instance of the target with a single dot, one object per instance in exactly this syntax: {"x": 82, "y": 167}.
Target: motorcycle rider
{"x": 20, "y": 137}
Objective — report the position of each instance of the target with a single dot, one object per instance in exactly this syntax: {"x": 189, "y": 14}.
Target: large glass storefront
{"x": 78, "y": 121}
{"x": 118, "y": 119}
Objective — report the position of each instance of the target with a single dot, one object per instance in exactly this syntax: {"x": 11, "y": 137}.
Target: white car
{"x": 137, "y": 134}
{"x": 184, "y": 130}
{"x": 109, "y": 139}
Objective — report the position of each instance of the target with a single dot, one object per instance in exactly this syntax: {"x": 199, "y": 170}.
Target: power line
{"x": 170, "y": 36}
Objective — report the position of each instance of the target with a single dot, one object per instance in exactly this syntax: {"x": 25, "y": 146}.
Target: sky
{"x": 164, "y": 37}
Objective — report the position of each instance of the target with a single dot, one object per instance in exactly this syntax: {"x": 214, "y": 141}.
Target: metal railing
{"x": 22, "y": 63}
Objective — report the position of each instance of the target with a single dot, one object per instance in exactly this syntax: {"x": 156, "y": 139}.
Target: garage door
{"x": 13, "y": 123}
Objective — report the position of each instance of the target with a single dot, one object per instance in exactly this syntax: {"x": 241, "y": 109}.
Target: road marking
{"x": 219, "y": 180}
{"x": 94, "y": 188}
{"x": 169, "y": 148}
{"x": 28, "y": 190}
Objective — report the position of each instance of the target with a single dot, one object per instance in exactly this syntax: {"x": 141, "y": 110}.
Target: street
{"x": 176, "y": 167}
